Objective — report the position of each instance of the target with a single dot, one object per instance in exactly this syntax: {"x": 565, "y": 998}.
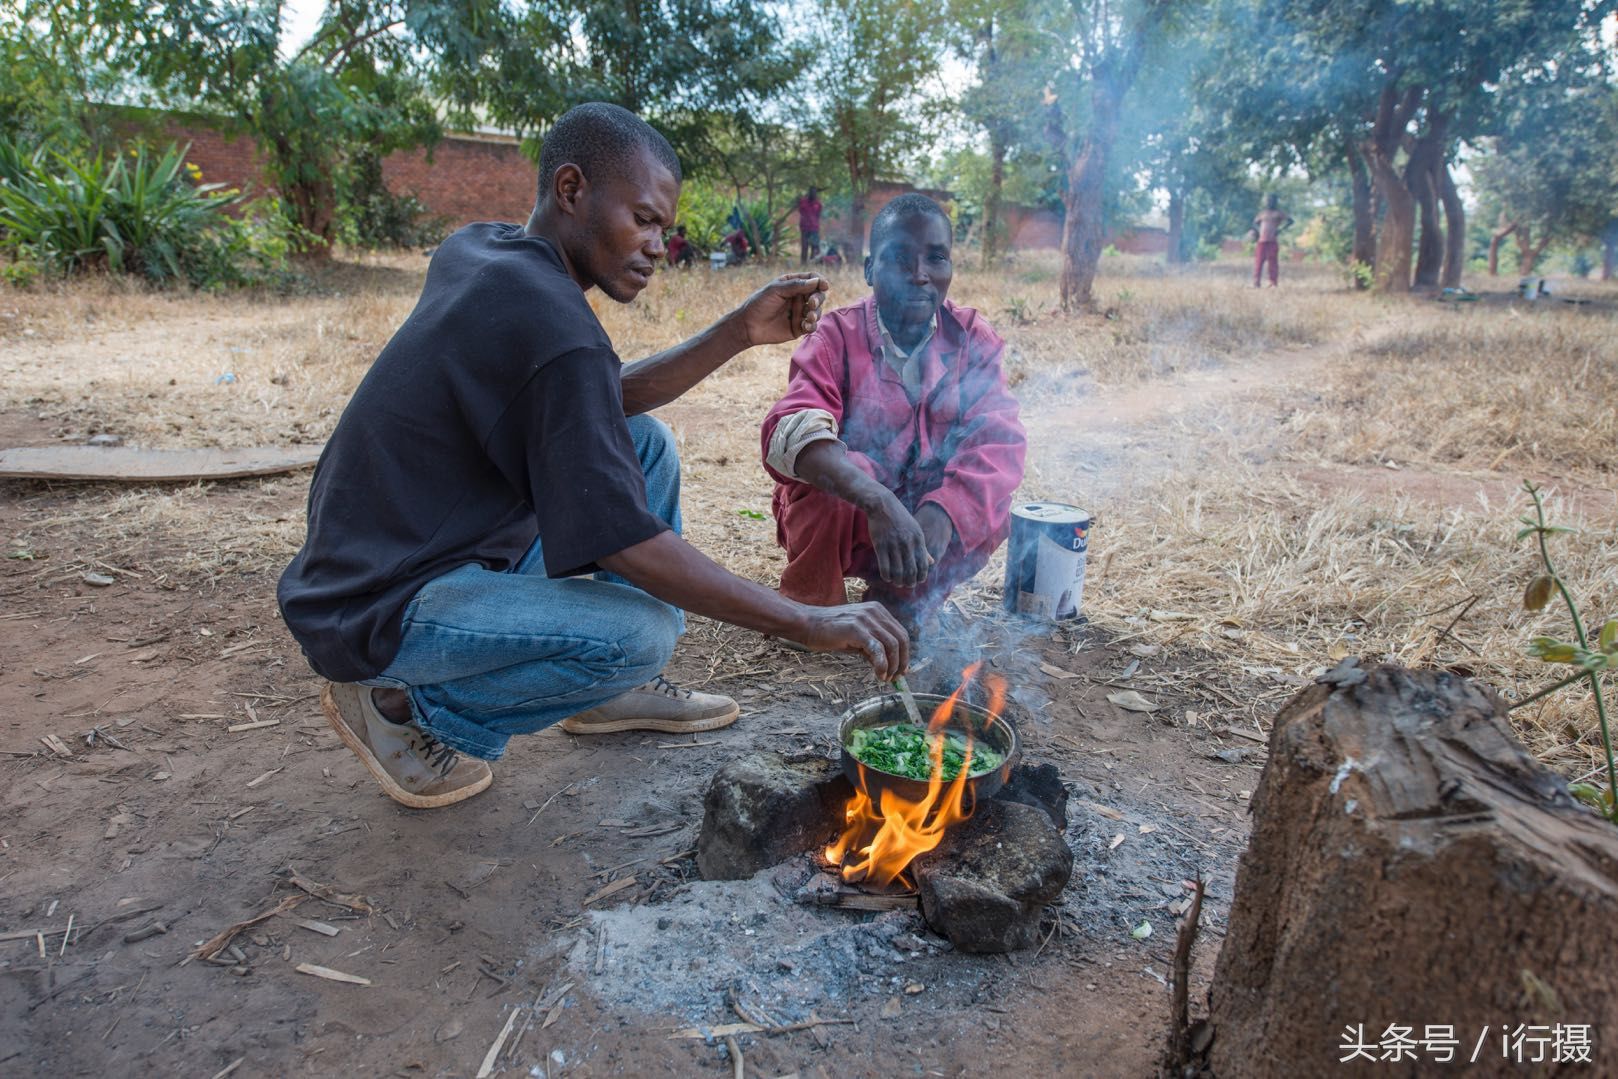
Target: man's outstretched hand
{"x": 784, "y": 309}
{"x": 866, "y": 628}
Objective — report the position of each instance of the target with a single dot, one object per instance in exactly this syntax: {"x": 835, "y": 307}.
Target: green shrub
{"x": 53, "y": 210}
{"x": 703, "y": 211}
{"x": 19, "y": 274}
{"x": 764, "y": 233}
{"x": 140, "y": 213}
{"x": 371, "y": 216}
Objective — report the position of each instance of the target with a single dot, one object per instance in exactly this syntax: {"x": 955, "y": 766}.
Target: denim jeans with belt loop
{"x": 485, "y": 655}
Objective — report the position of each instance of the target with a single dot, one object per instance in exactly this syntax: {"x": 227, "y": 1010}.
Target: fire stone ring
{"x": 873, "y": 645}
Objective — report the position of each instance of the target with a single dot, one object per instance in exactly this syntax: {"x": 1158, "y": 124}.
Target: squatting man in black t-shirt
{"x": 493, "y": 541}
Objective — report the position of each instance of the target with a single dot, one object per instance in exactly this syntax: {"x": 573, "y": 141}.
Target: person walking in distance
{"x": 809, "y": 226}
{"x": 1266, "y": 230}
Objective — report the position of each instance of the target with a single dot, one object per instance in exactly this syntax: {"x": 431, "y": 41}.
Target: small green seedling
{"x": 1590, "y": 662}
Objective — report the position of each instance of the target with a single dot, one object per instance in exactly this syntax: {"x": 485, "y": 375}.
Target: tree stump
{"x": 1412, "y": 868}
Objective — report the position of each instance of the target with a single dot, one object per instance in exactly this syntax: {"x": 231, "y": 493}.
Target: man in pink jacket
{"x": 897, "y": 446}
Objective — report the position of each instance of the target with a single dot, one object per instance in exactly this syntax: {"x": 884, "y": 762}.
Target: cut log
{"x": 128, "y": 464}
{"x": 1412, "y": 866}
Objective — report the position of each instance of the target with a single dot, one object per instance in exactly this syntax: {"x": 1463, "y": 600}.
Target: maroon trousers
{"x": 827, "y": 539}
{"x": 1266, "y": 251}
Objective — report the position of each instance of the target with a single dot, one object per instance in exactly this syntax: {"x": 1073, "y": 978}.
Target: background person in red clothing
{"x": 897, "y": 446}
{"x": 808, "y": 225}
{"x": 680, "y": 251}
{"x": 1266, "y": 230}
{"x": 736, "y": 241}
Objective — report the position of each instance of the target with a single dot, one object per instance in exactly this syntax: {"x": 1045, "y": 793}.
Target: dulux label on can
{"x": 1045, "y": 560}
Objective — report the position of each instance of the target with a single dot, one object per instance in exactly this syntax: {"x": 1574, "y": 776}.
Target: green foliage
{"x": 1554, "y": 166}
{"x": 48, "y": 89}
{"x": 872, "y": 61}
{"x": 706, "y": 214}
{"x": 358, "y": 83}
{"x": 765, "y": 160}
{"x": 1591, "y": 661}
{"x": 691, "y": 67}
{"x": 703, "y": 211}
{"x": 371, "y": 216}
{"x": 66, "y": 211}
{"x": 53, "y": 210}
{"x": 764, "y": 232}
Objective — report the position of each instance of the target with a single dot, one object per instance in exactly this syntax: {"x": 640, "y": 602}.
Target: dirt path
{"x": 169, "y": 816}
{"x": 172, "y": 817}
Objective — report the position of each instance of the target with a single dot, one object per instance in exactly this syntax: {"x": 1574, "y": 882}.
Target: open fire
{"x": 881, "y": 838}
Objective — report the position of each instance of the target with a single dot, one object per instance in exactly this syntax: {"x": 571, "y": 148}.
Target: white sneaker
{"x": 658, "y": 705}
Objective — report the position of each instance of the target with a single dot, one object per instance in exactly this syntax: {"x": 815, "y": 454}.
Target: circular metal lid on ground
{"x": 1051, "y": 513}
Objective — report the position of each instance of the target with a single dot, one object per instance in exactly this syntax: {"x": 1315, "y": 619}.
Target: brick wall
{"x": 1028, "y": 227}
{"x": 464, "y": 178}
{"x": 223, "y": 159}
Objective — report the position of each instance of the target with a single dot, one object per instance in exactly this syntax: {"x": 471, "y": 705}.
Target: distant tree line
{"x": 1093, "y": 107}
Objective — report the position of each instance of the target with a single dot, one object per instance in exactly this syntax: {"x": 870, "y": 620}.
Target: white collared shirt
{"x": 908, "y": 364}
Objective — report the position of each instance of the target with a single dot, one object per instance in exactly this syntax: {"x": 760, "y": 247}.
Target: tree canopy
{"x": 1101, "y": 109}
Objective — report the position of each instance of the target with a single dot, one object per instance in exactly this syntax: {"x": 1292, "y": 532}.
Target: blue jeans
{"x": 486, "y": 655}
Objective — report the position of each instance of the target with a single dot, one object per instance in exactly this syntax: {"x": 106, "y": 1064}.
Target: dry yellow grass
{"x": 1196, "y": 417}
{"x": 1530, "y": 386}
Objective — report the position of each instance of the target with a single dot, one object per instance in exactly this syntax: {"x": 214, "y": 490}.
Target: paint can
{"x": 1045, "y": 560}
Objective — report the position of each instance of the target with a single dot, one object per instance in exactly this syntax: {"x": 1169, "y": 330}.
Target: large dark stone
{"x": 765, "y": 807}
{"x": 1040, "y": 786}
{"x": 985, "y": 886}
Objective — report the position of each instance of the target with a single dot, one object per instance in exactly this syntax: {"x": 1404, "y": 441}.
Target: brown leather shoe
{"x": 659, "y": 705}
{"x": 414, "y": 768}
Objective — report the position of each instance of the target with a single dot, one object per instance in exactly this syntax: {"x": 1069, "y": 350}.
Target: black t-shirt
{"x": 495, "y": 414}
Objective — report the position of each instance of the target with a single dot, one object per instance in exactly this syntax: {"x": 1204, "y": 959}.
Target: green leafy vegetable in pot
{"x": 905, "y": 749}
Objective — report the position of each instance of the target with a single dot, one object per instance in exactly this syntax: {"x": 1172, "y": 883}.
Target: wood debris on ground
{"x": 331, "y": 975}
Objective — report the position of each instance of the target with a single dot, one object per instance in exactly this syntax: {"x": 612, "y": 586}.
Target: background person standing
{"x": 809, "y": 225}
{"x": 1266, "y": 230}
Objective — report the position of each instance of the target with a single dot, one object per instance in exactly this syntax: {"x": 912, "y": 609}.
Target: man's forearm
{"x": 825, "y": 465}
{"x": 677, "y": 573}
{"x": 657, "y": 380}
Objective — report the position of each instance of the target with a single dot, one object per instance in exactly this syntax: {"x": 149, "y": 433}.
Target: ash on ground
{"x": 758, "y": 940}
{"x": 764, "y": 941}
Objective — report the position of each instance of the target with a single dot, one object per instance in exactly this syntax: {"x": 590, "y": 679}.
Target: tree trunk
{"x": 1399, "y": 218}
{"x": 1398, "y": 227}
{"x": 1609, "y": 252}
{"x": 1430, "y": 239}
{"x": 1363, "y": 252}
{"x": 1085, "y": 196}
{"x": 1176, "y": 252}
{"x": 857, "y": 181}
{"x": 1528, "y": 252}
{"x": 1502, "y": 229}
{"x": 1454, "y": 229}
{"x": 1081, "y": 228}
{"x": 1426, "y": 157}
{"x": 314, "y": 208}
{"x": 1411, "y": 863}
{"x": 991, "y": 199}
{"x": 1110, "y": 79}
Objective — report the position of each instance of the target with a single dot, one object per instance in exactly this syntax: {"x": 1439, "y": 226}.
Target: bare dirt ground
{"x": 489, "y": 909}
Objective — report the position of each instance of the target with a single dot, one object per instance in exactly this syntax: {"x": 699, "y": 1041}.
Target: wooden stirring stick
{"x": 903, "y": 687}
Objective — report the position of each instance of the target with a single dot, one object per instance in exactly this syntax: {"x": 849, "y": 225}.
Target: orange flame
{"x": 885, "y": 839}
